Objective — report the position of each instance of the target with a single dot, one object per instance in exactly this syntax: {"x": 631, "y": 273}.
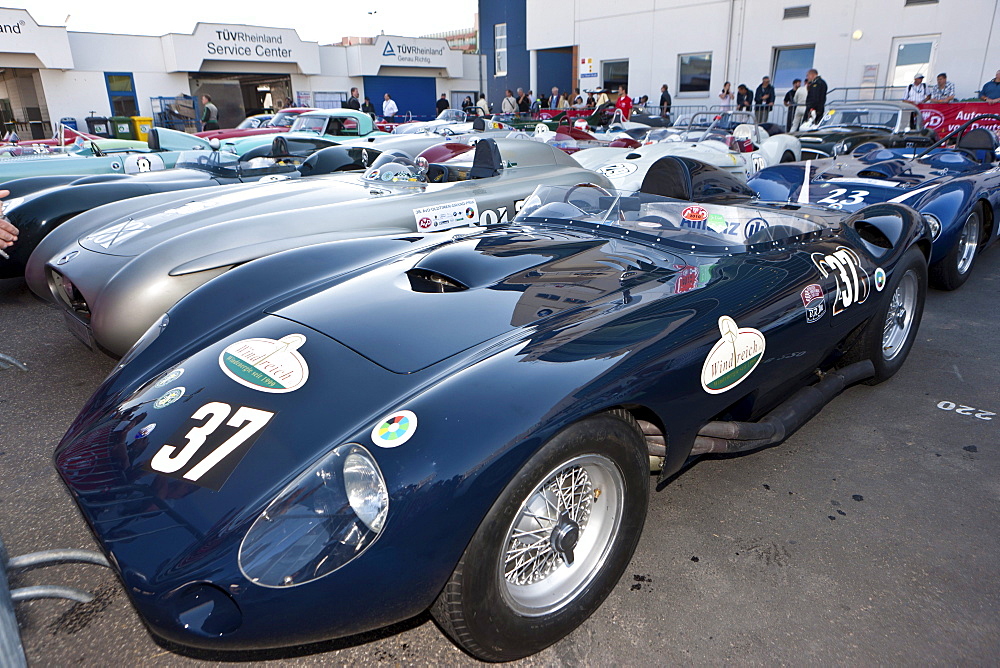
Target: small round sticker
{"x": 170, "y": 377}
{"x": 879, "y": 279}
{"x": 395, "y": 429}
{"x": 169, "y": 397}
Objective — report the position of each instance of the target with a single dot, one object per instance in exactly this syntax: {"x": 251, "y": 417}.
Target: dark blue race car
{"x": 339, "y": 437}
{"x": 954, "y": 183}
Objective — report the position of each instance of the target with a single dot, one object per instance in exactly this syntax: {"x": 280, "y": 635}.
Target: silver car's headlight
{"x": 325, "y": 518}
{"x": 934, "y": 223}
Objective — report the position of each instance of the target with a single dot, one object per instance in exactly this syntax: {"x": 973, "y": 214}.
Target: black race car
{"x": 844, "y": 126}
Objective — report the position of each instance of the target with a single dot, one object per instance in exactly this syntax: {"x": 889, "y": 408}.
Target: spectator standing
{"x": 624, "y": 102}
{"x": 554, "y": 98}
{"x": 578, "y": 101}
{"x": 442, "y": 103}
{"x": 389, "y": 109}
{"x": 990, "y": 91}
{"x": 523, "y": 101}
{"x": 790, "y": 103}
{"x": 368, "y": 107}
{"x": 535, "y": 104}
{"x": 484, "y": 107}
{"x": 509, "y": 103}
{"x": 815, "y": 96}
{"x": 602, "y": 98}
{"x": 944, "y": 91}
{"x": 665, "y": 101}
{"x": 209, "y": 114}
{"x": 764, "y": 99}
{"x": 726, "y": 97}
{"x": 917, "y": 91}
{"x": 591, "y": 102}
{"x": 800, "y": 107}
{"x": 467, "y": 105}
{"x": 352, "y": 101}
{"x": 744, "y": 98}
{"x": 564, "y": 101}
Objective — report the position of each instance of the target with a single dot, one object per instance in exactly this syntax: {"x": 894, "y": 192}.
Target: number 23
{"x": 833, "y": 199}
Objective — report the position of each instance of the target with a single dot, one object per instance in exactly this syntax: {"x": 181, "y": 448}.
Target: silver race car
{"x": 116, "y": 269}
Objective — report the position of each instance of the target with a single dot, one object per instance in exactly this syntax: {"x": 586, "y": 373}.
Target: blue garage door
{"x": 414, "y": 94}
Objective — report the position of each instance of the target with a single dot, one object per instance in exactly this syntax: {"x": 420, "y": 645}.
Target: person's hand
{"x": 8, "y": 233}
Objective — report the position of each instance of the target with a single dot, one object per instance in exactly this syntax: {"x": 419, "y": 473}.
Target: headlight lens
{"x": 325, "y": 518}
{"x": 934, "y": 223}
{"x": 147, "y": 338}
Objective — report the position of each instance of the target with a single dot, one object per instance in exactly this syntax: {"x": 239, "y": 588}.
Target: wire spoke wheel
{"x": 899, "y": 319}
{"x": 561, "y": 535}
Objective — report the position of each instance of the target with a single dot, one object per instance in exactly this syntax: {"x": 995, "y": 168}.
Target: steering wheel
{"x": 600, "y": 189}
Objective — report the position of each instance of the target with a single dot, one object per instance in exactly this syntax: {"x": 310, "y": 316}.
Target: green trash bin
{"x": 121, "y": 127}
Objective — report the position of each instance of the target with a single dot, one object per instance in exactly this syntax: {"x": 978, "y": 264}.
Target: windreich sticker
{"x": 266, "y": 365}
{"x": 732, "y": 358}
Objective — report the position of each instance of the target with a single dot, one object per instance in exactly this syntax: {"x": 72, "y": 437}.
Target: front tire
{"x": 554, "y": 544}
{"x": 954, "y": 268}
{"x": 889, "y": 335}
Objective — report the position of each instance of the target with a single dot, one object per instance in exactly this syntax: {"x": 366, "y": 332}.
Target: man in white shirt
{"x": 917, "y": 91}
{"x": 509, "y": 104}
{"x": 389, "y": 109}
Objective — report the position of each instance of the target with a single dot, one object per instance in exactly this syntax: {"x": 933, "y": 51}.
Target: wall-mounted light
{"x": 856, "y": 35}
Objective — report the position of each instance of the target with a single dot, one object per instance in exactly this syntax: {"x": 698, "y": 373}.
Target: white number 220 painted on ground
{"x": 834, "y": 198}
{"x": 170, "y": 460}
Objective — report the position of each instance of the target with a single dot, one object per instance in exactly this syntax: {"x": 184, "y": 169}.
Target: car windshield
{"x": 229, "y": 165}
{"x": 452, "y": 116}
{"x": 708, "y": 228}
{"x": 251, "y": 122}
{"x": 708, "y": 125}
{"x": 397, "y": 169}
{"x": 866, "y": 117}
{"x": 283, "y": 119}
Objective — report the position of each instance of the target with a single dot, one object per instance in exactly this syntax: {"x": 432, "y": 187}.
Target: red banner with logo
{"x": 943, "y": 118}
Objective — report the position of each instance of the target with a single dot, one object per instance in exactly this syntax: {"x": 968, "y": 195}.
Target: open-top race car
{"x": 849, "y": 124}
{"x": 279, "y": 122}
{"x": 104, "y": 156}
{"x": 329, "y": 125}
{"x": 341, "y": 436}
{"x": 731, "y": 141}
{"x": 954, "y": 183}
{"x": 38, "y": 205}
{"x": 116, "y": 268}
{"x": 444, "y": 119}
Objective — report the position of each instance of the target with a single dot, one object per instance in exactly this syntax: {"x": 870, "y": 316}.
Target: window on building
{"x": 910, "y": 56}
{"x": 694, "y": 72}
{"x": 329, "y": 99}
{"x": 615, "y": 74}
{"x": 921, "y": 2}
{"x": 791, "y": 62}
{"x": 121, "y": 93}
{"x": 800, "y": 12}
{"x": 500, "y": 48}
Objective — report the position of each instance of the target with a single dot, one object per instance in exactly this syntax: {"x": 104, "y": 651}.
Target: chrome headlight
{"x": 934, "y": 223}
{"x": 325, "y": 518}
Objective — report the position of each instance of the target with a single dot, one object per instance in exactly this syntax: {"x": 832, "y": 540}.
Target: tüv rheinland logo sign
{"x": 411, "y": 54}
{"x": 12, "y": 27}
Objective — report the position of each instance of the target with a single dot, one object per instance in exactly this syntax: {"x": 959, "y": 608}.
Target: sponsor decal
{"x": 169, "y": 397}
{"x": 687, "y": 278}
{"x": 395, "y": 429}
{"x": 143, "y": 162}
{"x": 732, "y": 358}
{"x": 116, "y": 165}
{"x": 210, "y": 445}
{"x": 117, "y": 234}
{"x": 753, "y": 226}
{"x": 880, "y": 279}
{"x": 618, "y": 168}
{"x": 853, "y": 283}
{"x": 717, "y": 223}
{"x": 697, "y": 213}
{"x": 933, "y": 119}
{"x": 814, "y": 302}
{"x": 444, "y": 216}
{"x": 266, "y": 365}
{"x": 170, "y": 377}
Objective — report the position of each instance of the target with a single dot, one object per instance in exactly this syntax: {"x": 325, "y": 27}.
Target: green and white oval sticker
{"x": 267, "y": 365}
{"x": 732, "y": 358}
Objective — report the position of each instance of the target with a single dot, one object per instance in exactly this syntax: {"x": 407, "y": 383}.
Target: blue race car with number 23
{"x": 339, "y": 437}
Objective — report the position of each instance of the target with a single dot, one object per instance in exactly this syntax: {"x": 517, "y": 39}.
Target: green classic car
{"x": 102, "y": 156}
{"x": 317, "y": 129}
{"x": 845, "y": 125}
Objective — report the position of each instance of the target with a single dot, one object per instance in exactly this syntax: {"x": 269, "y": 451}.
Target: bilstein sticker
{"x": 732, "y": 358}
{"x": 265, "y": 364}
{"x": 395, "y": 429}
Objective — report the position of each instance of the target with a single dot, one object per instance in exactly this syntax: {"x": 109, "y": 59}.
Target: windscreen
{"x": 867, "y": 117}
{"x": 706, "y": 228}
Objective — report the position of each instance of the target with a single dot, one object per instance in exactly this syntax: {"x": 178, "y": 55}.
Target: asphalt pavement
{"x": 868, "y": 537}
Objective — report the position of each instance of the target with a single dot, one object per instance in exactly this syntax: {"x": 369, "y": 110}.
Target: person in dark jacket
{"x": 523, "y": 101}
{"x": 744, "y": 98}
{"x": 764, "y": 99}
{"x": 352, "y": 101}
{"x": 368, "y": 107}
{"x": 815, "y": 96}
{"x": 442, "y": 103}
{"x": 790, "y": 104}
{"x": 665, "y": 101}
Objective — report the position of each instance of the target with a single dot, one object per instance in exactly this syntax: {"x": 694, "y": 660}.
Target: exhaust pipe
{"x": 783, "y": 421}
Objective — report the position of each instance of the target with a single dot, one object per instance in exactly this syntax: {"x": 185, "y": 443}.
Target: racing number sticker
{"x": 215, "y": 465}
{"x": 834, "y": 199}
{"x": 853, "y": 284}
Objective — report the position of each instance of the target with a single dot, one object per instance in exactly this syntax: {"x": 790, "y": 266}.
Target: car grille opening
{"x": 422, "y": 280}
{"x": 68, "y": 295}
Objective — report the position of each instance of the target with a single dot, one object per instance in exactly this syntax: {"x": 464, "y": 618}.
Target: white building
{"x": 694, "y": 47}
{"x": 47, "y": 72}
